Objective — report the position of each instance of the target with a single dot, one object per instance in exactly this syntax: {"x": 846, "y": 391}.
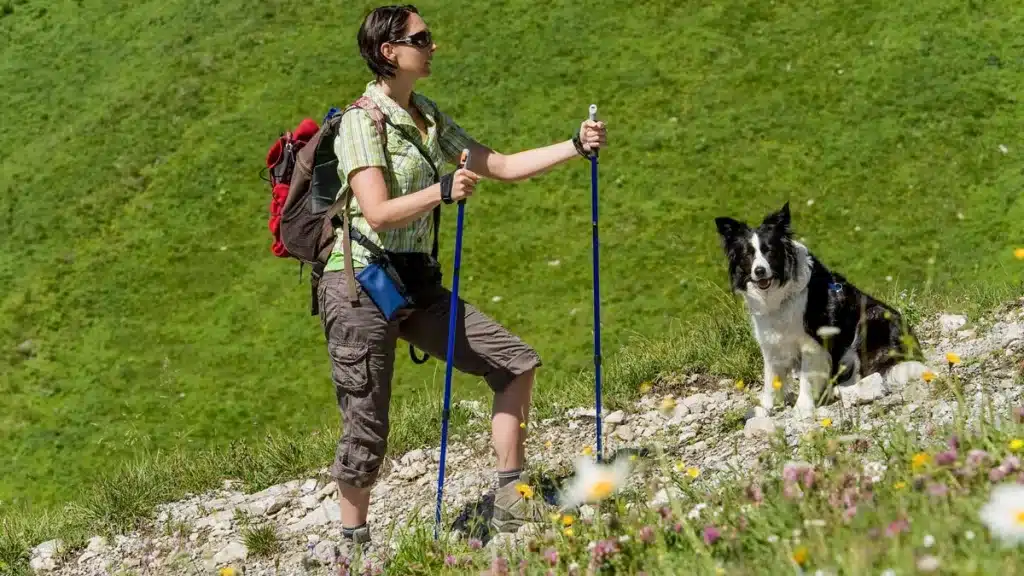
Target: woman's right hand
{"x": 463, "y": 184}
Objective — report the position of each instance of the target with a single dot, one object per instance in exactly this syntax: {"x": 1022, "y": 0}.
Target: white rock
{"x": 308, "y": 486}
{"x": 865, "y": 391}
{"x": 952, "y": 322}
{"x": 904, "y": 373}
{"x": 42, "y": 564}
{"x": 617, "y": 417}
{"x": 233, "y": 552}
{"x": 758, "y": 425}
{"x": 412, "y": 471}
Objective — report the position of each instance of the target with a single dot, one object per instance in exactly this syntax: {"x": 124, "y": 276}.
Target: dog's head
{"x": 761, "y": 258}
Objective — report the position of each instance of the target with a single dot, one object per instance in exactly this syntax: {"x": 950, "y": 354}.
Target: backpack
{"x": 304, "y": 208}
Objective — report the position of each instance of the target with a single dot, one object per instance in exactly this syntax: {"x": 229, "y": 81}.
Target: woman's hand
{"x": 463, "y": 184}
{"x": 592, "y": 135}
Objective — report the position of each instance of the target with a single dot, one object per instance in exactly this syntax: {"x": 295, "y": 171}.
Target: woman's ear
{"x": 388, "y": 51}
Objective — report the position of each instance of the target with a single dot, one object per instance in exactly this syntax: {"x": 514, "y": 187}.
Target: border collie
{"x": 807, "y": 318}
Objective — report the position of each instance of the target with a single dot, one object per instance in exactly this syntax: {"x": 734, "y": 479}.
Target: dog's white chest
{"x": 780, "y": 332}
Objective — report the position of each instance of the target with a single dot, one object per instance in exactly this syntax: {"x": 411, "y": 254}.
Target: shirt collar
{"x": 396, "y": 113}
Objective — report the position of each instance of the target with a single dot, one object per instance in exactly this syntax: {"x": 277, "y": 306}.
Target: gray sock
{"x": 508, "y": 476}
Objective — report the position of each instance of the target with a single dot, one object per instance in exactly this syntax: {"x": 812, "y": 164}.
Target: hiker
{"x": 394, "y": 196}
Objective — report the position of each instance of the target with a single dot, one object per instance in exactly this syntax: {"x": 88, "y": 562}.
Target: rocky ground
{"x": 702, "y": 425}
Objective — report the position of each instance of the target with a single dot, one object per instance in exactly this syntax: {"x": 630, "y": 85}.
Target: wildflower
{"x": 826, "y": 422}
{"x": 450, "y": 560}
{"x": 475, "y": 544}
{"x": 568, "y": 532}
{"x": 755, "y": 493}
{"x": 227, "y": 571}
{"x": 976, "y": 457}
{"x": 574, "y": 569}
{"x": 953, "y": 358}
{"x": 549, "y": 445}
{"x": 695, "y": 512}
{"x": 776, "y": 383}
{"x": 524, "y": 490}
{"x": 938, "y": 490}
{"x": 668, "y": 404}
{"x": 996, "y": 475}
{"x": 929, "y": 541}
{"x": 945, "y": 458}
{"x": 647, "y": 535}
{"x": 740, "y": 385}
{"x": 1016, "y": 445}
{"x": 711, "y": 535}
{"x": 693, "y": 472}
{"x": 645, "y": 387}
{"x": 665, "y": 512}
{"x": 499, "y": 566}
{"x": 522, "y": 425}
{"x": 800, "y": 555}
{"x": 920, "y": 460}
{"x": 899, "y": 485}
{"x": 588, "y": 451}
{"x": 896, "y": 527}
{"x": 551, "y": 555}
{"x": 594, "y": 482}
{"x": 969, "y": 535}
{"x": 1010, "y": 464}
{"x": 1018, "y": 414}
{"x": 567, "y": 520}
{"x": 927, "y": 375}
{"x": 1019, "y": 253}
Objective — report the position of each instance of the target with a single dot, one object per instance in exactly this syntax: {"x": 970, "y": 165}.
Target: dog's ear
{"x": 729, "y": 228}
{"x": 779, "y": 221}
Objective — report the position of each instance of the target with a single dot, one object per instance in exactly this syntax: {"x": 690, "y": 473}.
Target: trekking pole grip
{"x": 593, "y": 118}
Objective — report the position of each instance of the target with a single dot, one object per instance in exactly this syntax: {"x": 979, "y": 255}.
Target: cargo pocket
{"x": 351, "y": 367}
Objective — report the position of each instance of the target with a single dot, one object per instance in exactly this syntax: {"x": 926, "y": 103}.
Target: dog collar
{"x": 835, "y": 287}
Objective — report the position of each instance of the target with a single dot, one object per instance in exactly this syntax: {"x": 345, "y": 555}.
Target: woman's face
{"x": 412, "y": 52}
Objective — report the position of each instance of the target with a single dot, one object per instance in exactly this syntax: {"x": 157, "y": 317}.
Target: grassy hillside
{"x": 135, "y": 255}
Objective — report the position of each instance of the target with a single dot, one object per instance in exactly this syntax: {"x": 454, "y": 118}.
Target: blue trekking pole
{"x": 597, "y": 288}
{"x": 463, "y": 162}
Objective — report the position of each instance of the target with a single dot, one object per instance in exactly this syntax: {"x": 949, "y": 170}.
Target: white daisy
{"x": 594, "y": 482}
{"x": 1004, "y": 513}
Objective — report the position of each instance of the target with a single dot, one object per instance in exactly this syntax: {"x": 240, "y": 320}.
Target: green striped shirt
{"x": 358, "y": 145}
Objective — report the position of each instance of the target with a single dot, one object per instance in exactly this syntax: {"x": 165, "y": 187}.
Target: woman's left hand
{"x": 592, "y": 134}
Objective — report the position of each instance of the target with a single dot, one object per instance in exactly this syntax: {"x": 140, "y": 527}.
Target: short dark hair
{"x": 383, "y": 24}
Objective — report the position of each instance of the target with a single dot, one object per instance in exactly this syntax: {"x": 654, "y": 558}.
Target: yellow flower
{"x": 800, "y": 555}
{"x": 919, "y": 460}
{"x": 899, "y": 485}
{"x": 228, "y": 571}
{"x": 668, "y": 403}
{"x": 1016, "y": 445}
{"x": 524, "y": 490}
{"x": 588, "y": 451}
{"x": 1019, "y": 253}
{"x": 826, "y": 422}
{"x": 693, "y": 472}
{"x": 554, "y": 516}
{"x": 777, "y": 383}
{"x": 680, "y": 466}
{"x": 567, "y": 520}
{"x": 645, "y": 387}
{"x": 522, "y": 425}
{"x": 928, "y": 376}
{"x": 568, "y": 532}
{"x": 739, "y": 384}
{"x": 952, "y": 358}
{"x": 548, "y": 445}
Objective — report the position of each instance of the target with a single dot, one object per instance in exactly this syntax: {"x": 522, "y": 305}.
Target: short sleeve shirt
{"x": 358, "y": 145}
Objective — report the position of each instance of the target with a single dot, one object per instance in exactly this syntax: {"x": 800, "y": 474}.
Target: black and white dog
{"x": 807, "y": 318}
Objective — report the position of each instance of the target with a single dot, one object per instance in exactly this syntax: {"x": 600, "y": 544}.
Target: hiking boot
{"x": 353, "y": 548}
{"x": 518, "y": 503}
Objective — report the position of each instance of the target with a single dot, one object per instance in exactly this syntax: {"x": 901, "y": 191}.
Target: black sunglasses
{"x": 421, "y": 39}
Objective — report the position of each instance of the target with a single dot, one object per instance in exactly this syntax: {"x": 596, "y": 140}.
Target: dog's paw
{"x": 756, "y": 412}
{"x": 804, "y": 408}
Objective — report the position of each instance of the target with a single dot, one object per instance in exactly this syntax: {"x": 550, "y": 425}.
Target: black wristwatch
{"x": 579, "y": 145}
{"x": 446, "y": 187}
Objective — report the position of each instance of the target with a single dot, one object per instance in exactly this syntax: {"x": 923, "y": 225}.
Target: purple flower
{"x": 937, "y": 489}
{"x": 954, "y": 443}
{"x": 711, "y": 535}
{"x": 897, "y": 526}
{"x": 475, "y": 544}
{"x": 450, "y": 560}
{"x": 647, "y": 535}
{"x": 665, "y": 512}
{"x": 755, "y": 493}
{"x": 976, "y": 458}
{"x": 946, "y": 458}
{"x": 603, "y": 550}
{"x": 996, "y": 475}
{"x": 1010, "y": 464}
{"x": 677, "y": 527}
{"x": 551, "y": 555}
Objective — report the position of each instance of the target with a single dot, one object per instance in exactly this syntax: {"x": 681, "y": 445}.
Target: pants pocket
{"x": 351, "y": 367}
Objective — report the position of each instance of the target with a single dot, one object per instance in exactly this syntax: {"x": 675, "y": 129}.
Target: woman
{"x": 395, "y": 193}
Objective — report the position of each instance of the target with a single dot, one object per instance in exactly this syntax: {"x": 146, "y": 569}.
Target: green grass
{"x": 135, "y": 252}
